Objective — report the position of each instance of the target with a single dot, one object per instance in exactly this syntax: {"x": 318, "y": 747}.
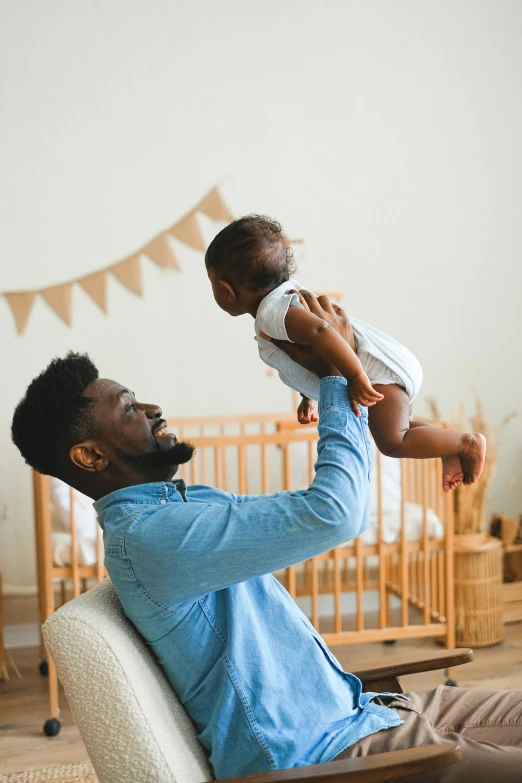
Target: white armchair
{"x": 136, "y": 730}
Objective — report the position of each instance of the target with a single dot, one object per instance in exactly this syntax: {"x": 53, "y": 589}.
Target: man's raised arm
{"x": 209, "y": 546}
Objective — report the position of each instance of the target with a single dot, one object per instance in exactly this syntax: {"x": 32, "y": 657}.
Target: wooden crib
{"x": 409, "y": 582}
{"x": 250, "y": 455}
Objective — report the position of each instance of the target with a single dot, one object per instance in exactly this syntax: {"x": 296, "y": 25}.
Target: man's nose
{"x": 153, "y": 411}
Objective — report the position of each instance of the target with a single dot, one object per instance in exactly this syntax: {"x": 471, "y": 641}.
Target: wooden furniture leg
{"x": 42, "y": 506}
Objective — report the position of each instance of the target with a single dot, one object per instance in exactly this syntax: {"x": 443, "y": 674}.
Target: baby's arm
{"x": 307, "y": 411}
{"x": 305, "y": 328}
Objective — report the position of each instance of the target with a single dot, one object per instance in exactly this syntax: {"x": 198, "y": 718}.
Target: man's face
{"x": 134, "y": 434}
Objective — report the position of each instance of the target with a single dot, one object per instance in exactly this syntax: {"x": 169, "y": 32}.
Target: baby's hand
{"x": 307, "y": 411}
{"x": 361, "y": 392}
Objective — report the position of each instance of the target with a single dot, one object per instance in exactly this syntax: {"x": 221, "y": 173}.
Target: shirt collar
{"x": 159, "y": 492}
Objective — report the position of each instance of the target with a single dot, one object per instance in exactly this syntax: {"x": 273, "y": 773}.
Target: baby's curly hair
{"x": 253, "y": 252}
{"x": 54, "y": 414}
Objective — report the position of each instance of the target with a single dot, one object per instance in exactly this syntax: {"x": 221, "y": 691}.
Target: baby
{"x": 249, "y": 266}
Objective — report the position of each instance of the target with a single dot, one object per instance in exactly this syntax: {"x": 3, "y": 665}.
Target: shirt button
{"x": 163, "y": 502}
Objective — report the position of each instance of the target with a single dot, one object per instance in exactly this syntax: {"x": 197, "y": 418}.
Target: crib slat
{"x": 403, "y": 555}
{"x": 359, "y": 583}
{"x": 218, "y": 471}
{"x": 204, "y": 478}
{"x": 442, "y": 595}
{"x": 425, "y": 466}
{"x": 264, "y": 467}
{"x": 436, "y": 487}
{"x": 287, "y": 469}
{"x": 315, "y": 594}
{"x": 223, "y": 461}
{"x": 74, "y": 546}
{"x": 242, "y": 470}
{"x": 338, "y": 623}
{"x": 413, "y": 579}
{"x": 311, "y": 461}
{"x": 449, "y": 526}
{"x": 43, "y": 530}
{"x": 383, "y": 596}
{"x": 433, "y": 581}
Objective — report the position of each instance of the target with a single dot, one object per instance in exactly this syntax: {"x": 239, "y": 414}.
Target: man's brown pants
{"x": 486, "y": 724}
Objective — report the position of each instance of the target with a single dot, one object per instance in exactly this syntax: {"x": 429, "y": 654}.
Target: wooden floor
{"x": 23, "y": 703}
{"x": 23, "y": 710}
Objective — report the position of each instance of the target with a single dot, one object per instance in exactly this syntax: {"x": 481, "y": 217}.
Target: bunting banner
{"x": 127, "y": 271}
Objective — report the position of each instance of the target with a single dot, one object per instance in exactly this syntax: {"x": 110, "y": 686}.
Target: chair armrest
{"x": 387, "y": 668}
{"x": 365, "y": 769}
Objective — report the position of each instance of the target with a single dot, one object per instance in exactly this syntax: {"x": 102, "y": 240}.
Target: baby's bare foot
{"x": 452, "y": 473}
{"x": 473, "y": 456}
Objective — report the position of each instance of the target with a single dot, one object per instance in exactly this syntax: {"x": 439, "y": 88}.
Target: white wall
{"x": 385, "y": 134}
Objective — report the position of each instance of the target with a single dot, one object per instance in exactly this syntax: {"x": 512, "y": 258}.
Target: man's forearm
{"x": 343, "y": 463}
{"x": 334, "y": 348}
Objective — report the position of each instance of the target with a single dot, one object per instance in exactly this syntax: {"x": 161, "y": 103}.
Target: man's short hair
{"x": 54, "y": 414}
{"x": 252, "y": 251}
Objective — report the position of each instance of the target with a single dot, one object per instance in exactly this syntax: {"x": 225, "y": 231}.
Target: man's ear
{"x": 88, "y": 456}
{"x": 231, "y": 294}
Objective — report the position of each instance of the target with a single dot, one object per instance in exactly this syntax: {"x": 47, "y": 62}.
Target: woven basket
{"x": 479, "y": 614}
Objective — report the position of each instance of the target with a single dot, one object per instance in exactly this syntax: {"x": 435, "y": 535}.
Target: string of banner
{"x": 128, "y": 271}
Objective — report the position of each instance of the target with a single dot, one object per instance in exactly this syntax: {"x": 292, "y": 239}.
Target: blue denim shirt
{"x": 192, "y": 568}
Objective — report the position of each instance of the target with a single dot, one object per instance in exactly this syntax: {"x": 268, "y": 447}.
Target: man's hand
{"x": 334, "y": 316}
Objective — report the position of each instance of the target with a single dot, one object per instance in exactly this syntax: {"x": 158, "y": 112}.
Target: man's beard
{"x": 180, "y": 453}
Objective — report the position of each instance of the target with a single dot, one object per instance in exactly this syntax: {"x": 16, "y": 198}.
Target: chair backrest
{"x": 132, "y": 723}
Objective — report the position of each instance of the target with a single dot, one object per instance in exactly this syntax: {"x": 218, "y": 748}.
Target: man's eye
{"x": 130, "y": 407}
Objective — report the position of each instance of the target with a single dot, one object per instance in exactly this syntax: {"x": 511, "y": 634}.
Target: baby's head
{"x": 247, "y": 260}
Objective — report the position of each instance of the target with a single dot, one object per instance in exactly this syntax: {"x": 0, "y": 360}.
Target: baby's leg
{"x": 396, "y": 436}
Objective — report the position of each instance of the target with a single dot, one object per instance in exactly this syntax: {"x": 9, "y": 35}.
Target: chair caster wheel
{"x": 390, "y": 642}
{"x": 451, "y": 683}
{"x": 43, "y": 668}
{"x": 52, "y": 727}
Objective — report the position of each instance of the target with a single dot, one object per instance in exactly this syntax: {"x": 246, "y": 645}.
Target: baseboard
{"x": 9, "y": 589}
{"x": 22, "y": 635}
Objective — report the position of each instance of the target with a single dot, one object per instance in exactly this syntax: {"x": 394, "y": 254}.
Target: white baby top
{"x": 384, "y": 359}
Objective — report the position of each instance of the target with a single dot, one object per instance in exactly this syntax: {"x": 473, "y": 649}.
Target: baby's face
{"x": 223, "y": 296}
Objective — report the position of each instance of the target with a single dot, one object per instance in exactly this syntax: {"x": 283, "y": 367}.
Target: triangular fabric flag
{"x": 96, "y": 286}
{"x": 59, "y": 298}
{"x": 187, "y": 229}
{"x": 21, "y": 305}
{"x": 289, "y": 241}
{"x": 160, "y": 251}
{"x": 214, "y": 206}
{"x": 128, "y": 273}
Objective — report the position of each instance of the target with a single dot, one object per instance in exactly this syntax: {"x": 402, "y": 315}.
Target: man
{"x": 192, "y": 568}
